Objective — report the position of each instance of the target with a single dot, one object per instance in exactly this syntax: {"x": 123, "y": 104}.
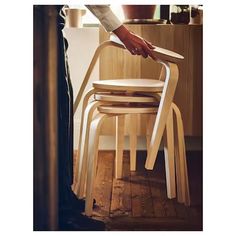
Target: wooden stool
{"x": 163, "y": 89}
{"x": 117, "y": 110}
{"x": 173, "y": 149}
{"x": 159, "y": 124}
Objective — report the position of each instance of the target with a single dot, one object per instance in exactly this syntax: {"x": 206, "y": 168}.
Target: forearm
{"x": 107, "y": 18}
{"x": 135, "y": 44}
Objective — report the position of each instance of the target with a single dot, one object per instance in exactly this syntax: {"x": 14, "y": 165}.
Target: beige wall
{"x": 82, "y": 44}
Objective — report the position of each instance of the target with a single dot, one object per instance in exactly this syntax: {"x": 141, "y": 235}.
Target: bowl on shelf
{"x": 139, "y": 11}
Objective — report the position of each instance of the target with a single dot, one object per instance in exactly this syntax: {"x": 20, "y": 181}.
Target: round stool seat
{"x": 132, "y": 85}
{"x": 123, "y": 97}
{"x": 118, "y": 109}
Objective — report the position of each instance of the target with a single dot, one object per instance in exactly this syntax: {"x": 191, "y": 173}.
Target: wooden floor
{"x": 139, "y": 200}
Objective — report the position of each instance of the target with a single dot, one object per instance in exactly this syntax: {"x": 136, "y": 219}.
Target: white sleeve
{"x": 105, "y": 15}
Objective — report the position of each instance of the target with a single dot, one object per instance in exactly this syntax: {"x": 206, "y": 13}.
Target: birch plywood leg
{"x": 169, "y": 157}
{"x": 181, "y": 157}
{"x": 178, "y": 163}
{"x": 77, "y": 159}
{"x": 187, "y": 201}
{"x": 88, "y": 115}
{"x": 92, "y": 160}
{"x": 149, "y": 127}
{"x": 120, "y": 122}
{"x": 162, "y": 114}
{"x": 133, "y": 141}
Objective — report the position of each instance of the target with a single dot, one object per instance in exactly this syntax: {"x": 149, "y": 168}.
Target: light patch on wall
{"x": 89, "y": 18}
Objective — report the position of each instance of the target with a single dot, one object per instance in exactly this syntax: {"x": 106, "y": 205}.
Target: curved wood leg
{"x": 88, "y": 115}
{"x": 133, "y": 141}
{"x": 169, "y": 156}
{"x": 77, "y": 158}
{"x": 178, "y": 165}
{"x": 120, "y": 130}
{"x": 162, "y": 114}
{"x": 149, "y": 127}
{"x": 181, "y": 167}
{"x": 92, "y": 160}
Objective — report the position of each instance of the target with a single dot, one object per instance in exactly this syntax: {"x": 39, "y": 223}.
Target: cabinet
{"x": 183, "y": 39}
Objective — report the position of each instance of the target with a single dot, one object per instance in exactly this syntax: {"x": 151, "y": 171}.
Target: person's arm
{"x": 134, "y": 43}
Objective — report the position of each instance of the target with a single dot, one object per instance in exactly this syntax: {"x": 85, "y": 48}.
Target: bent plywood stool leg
{"x": 88, "y": 115}
{"x": 149, "y": 128}
{"x": 168, "y": 139}
{"x": 120, "y": 129}
{"x": 77, "y": 159}
{"x": 162, "y": 114}
{"x": 92, "y": 160}
{"x": 133, "y": 140}
{"x": 183, "y": 193}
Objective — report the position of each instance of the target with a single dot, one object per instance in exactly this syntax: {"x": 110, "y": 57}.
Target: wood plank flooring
{"x": 139, "y": 202}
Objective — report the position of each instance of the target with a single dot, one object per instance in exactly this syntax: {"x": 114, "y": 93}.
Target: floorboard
{"x": 138, "y": 201}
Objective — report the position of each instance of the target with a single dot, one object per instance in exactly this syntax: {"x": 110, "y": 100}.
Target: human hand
{"x": 134, "y": 43}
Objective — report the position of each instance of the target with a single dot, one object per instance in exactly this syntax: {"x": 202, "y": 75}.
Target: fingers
{"x": 139, "y": 46}
{"x": 144, "y": 51}
{"x": 149, "y": 48}
{"x": 132, "y": 51}
{"x": 139, "y": 51}
{"x": 150, "y": 53}
{"x": 149, "y": 44}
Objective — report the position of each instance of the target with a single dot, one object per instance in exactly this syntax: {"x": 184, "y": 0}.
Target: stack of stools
{"x": 117, "y": 98}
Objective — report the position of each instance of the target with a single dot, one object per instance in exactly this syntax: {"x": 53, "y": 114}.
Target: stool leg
{"x": 88, "y": 115}
{"x": 77, "y": 159}
{"x": 162, "y": 114}
{"x": 149, "y": 127}
{"x": 182, "y": 170}
{"x": 120, "y": 128}
{"x": 178, "y": 164}
{"x": 133, "y": 141}
{"x": 169, "y": 156}
{"x": 92, "y": 160}
{"x": 187, "y": 193}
